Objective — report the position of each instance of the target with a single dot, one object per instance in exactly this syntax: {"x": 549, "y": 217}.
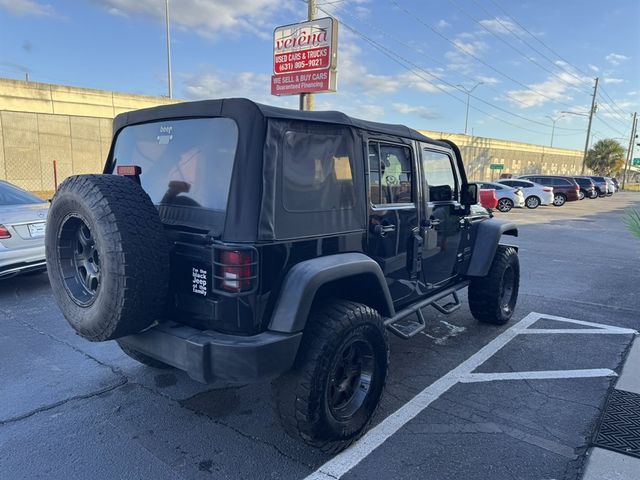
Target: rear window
{"x": 185, "y": 163}
{"x": 598, "y": 179}
{"x": 12, "y": 195}
{"x": 560, "y": 182}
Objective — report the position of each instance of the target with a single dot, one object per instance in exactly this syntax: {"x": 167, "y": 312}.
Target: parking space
{"x": 463, "y": 401}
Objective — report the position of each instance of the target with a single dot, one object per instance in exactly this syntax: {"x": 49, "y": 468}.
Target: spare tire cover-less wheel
{"x": 107, "y": 256}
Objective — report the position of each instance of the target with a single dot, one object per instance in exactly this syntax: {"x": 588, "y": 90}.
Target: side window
{"x": 390, "y": 174}
{"x": 511, "y": 183}
{"x": 439, "y": 175}
{"x": 520, "y": 184}
{"x": 317, "y": 173}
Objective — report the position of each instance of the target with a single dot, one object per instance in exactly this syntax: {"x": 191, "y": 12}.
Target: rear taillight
{"x": 4, "y": 232}
{"x": 235, "y": 270}
{"x": 547, "y": 189}
{"x": 128, "y": 170}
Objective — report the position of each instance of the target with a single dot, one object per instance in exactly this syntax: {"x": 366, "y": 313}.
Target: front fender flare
{"x": 487, "y": 239}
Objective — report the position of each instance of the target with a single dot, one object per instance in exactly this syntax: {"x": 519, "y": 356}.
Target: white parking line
{"x": 538, "y": 375}
{"x": 349, "y": 458}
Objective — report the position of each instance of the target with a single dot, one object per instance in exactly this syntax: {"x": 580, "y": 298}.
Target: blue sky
{"x": 535, "y": 58}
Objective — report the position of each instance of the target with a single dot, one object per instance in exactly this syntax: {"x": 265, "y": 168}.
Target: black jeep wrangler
{"x": 242, "y": 242}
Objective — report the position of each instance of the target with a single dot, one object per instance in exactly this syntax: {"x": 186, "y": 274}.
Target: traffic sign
{"x": 636, "y": 161}
{"x": 496, "y": 166}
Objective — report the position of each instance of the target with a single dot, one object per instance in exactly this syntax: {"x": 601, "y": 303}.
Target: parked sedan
{"x": 508, "y": 197}
{"x": 22, "y": 224}
{"x": 565, "y": 189}
{"x": 587, "y": 187}
{"x": 534, "y": 194}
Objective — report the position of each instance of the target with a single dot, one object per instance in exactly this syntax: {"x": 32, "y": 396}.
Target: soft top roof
{"x": 245, "y": 111}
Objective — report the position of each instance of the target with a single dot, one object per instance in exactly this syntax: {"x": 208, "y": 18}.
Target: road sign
{"x": 636, "y": 161}
{"x": 496, "y": 166}
{"x": 304, "y": 57}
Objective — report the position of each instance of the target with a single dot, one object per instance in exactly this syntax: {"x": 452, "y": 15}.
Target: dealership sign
{"x": 305, "y": 57}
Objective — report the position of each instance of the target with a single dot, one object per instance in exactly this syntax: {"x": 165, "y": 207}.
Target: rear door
{"x": 444, "y": 217}
{"x": 393, "y": 215}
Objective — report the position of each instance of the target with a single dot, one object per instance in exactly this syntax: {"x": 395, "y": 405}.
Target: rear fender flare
{"x": 361, "y": 279}
{"x": 487, "y": 239}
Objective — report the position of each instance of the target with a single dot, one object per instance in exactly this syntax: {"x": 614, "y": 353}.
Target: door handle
{"x": 382, "y": 230}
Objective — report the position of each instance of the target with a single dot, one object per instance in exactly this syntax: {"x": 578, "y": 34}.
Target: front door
{"x": 393, "y": 220}
{"x": 444, "y": 218}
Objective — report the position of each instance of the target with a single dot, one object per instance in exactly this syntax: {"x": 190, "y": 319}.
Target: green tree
{"x": 606, "y": 157}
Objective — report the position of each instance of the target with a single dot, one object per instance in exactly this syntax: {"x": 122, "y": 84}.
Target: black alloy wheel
{"x": 79, "y": 259}
{"x": 350, "y": 379}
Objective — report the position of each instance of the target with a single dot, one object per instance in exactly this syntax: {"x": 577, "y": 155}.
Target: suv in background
{"x": 565, "y": 189}
{"x": 587, "y": 187}
{"x": 602, "y": 187}
{"x": 242, "y": 243}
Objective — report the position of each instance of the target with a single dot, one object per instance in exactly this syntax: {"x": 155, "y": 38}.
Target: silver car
{"x": 22, "y": 224}
{"x": 508, "y": 197}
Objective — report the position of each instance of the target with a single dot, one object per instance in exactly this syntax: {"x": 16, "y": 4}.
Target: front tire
{"x": 492, "y": 299}
{"x": 505, "y": 205}
{"x": 333, "y": 390}
{"x": 559, "y": 199}
{"x": 532, "y": 202}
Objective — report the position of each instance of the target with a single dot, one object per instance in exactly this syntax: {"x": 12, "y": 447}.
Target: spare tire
{"x": 107, "y": 256}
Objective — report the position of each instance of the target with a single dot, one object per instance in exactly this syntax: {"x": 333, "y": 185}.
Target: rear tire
{"x": 333, "y": 390}
{"x": 107, "y": 256}
{"x": 559, "y": 199}
{"x": 492, "y": 299}
{"x": 142, "y": 358}
{"x": 532, "y": 202}
{"x": 581, "y": 195}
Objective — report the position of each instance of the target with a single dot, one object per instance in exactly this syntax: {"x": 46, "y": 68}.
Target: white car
{"x": 508, "y": 197}
{"x": 22, "y": 224}
{"x": 534, "y": 193}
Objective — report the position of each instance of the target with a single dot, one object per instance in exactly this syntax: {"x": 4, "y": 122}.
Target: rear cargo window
{"x": 317, "y": 172}
{"x": 184, "y": 163}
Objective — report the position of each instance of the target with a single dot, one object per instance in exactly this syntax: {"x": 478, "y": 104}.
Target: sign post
{"x": 305, "y": 57}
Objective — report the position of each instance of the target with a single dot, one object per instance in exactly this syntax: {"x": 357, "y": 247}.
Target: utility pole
{"x": 468, "y": 92}
{"x": 627, "y": 165}
{"x": 306, "y": 99}
{"x": 591, "y": 112}
{"x": 166, "y": 9}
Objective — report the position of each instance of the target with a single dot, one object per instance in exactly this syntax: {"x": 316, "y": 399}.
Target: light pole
{"x": 553, "y": 125}
{"x": 468, "y": 92}
{"x": 166, "y": 10}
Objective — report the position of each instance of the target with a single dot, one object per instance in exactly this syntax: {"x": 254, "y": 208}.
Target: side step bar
{"x": 411, "y": 329}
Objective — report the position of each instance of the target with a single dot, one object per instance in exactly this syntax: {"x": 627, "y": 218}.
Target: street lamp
{"x": 468, "y": 92}
{"x": 170, "y": 83}
{"x": 553, "y": 124}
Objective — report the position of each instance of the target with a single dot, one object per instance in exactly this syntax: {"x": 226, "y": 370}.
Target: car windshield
{"x": 12, "y": 195}
{"x": 184, "y": 163}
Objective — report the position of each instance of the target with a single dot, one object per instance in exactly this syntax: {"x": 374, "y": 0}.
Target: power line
{"x": 399, "y": 59}
{"x": 420, "y": 52}
{"x": 466, "y": 52}
{"x": 513, "y": 47}
{"x": 551, "y": 50}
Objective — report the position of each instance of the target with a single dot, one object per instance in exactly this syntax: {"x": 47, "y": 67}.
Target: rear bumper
{"x": 208, "y": 356}
{"x": 21, "y": 260}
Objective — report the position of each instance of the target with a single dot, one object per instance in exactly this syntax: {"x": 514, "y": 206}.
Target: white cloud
{"x": 633, "y": 93}
{"x": 594, "y": 68}
{"x": 613, "y": 80}
{"x": 26, "y": 7}
{"x": 207, "y": 18}
{"x": 461, "y": 58}
{"x": 420, "y": 111}
{"x": 442, "y": 23}
{"x": 500, "y": 25}
{"x": 616, "y": 58}
{"x": 488, "y": 80}
{"x": 554, "y": 88}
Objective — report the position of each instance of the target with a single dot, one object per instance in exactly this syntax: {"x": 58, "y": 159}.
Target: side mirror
{"x": 469, "y": 194}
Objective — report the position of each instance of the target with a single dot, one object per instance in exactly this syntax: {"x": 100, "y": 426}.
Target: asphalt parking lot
{"x": 464, "y": 400}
